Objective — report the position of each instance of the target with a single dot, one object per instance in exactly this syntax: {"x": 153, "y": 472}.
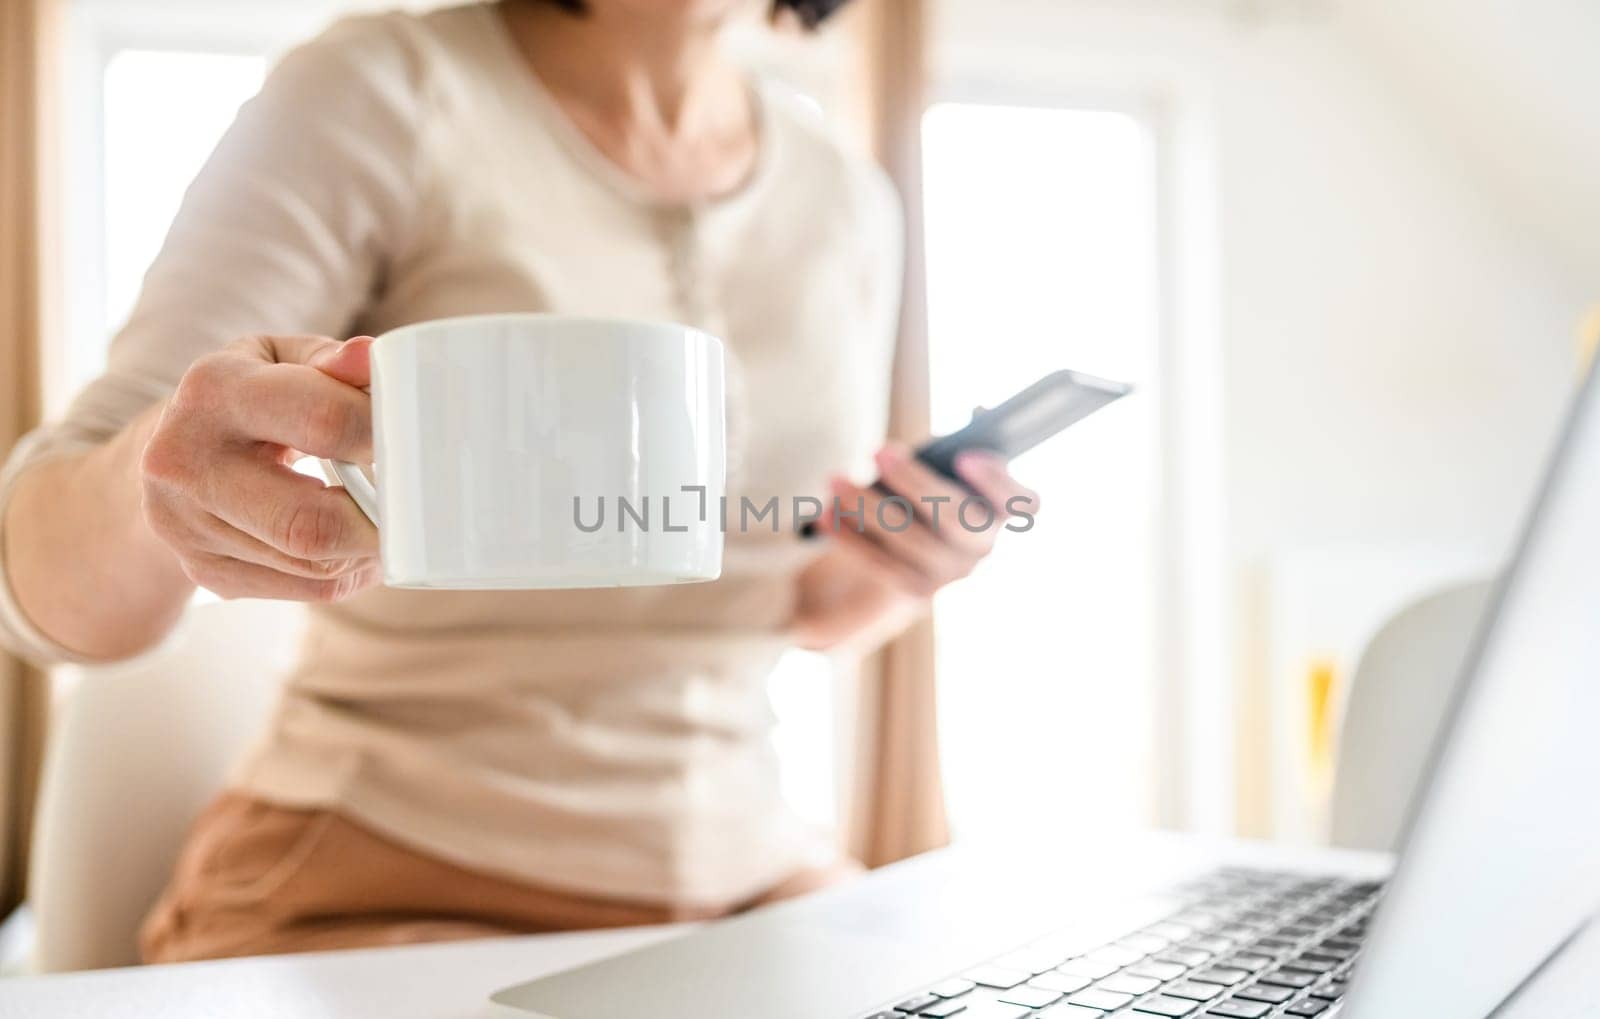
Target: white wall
{"x": 1391, "y": 343}
{"x": 1514, "y": 85}
{"x": 1397, "y": 351}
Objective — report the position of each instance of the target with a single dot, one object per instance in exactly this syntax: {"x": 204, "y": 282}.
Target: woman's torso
{"x": 612, "y": 741}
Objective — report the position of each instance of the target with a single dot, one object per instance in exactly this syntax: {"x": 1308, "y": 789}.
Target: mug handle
{"x": 354, "y": 480}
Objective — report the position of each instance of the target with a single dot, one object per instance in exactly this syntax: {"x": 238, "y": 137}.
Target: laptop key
{"x": 1220, "y": 975}
{"x": 1170, "y": 931}
{"x": 1157, "y": 970}
{"x": 1066, "y": 983}
{"x": 1269, "y": 993}
{"x": 996, "y": 977}
{"x": 1144, "y": 943}
{"x": 953, "y": 988}
{"x": 1310, "y": 965}
{"x": 1032, "y": 997}
{"x": 944, "y": 1009}
{"x": 1105, "y": 1001}
{"x": 1123, "y": 983}
{"x": 1289, "y": 978}
{"x": 1234, "y": 1008}
{"x": 1331, "y": 992}
{"x": 1184, "y": 956}
{"x": 1335, "y": 955}
{"x": 1163, "y": 1005}
{"x": 1248, "y": 961}
{"x": 1094, "y": 969}
{"x": 1194, "y": 992}
{"x": 885, "y": 1015}
{"x": 917, "y": 1004}
{"x": 1308, "y": 1007}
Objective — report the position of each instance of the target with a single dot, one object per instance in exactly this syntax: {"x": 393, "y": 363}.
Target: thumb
{"x": 350, "y": 362}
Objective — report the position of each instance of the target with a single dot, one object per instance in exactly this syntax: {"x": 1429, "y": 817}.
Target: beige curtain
{"x": 897, "y": 795}
{"x": 27, "y": 122}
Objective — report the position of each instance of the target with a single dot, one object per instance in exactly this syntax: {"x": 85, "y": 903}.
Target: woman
{"x": 451, "y": 764}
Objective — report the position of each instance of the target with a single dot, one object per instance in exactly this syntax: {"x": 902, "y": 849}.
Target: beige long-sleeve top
{"x": 405, "y": 167}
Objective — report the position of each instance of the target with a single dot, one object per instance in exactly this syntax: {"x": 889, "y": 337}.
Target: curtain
{"x": 896, "y": 806}
{"x": 27, "y": 122}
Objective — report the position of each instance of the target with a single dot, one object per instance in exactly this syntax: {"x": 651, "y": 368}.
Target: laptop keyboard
{"x": 1248, "y": 944}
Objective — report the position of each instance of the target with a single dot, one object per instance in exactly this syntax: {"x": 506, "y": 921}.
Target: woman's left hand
{"x": 893, "y": 550}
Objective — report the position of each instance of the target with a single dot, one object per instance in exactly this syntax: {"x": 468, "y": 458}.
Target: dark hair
{"x": 810, "y": 12}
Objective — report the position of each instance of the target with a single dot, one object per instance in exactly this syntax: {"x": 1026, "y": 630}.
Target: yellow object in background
{"x": 1589, "y": 336}
{"x": 1321, "y": 685}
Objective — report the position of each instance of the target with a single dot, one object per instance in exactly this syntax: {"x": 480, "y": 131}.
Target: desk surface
{"x": 445, "y": 981}
{"x": 453, "y": 981}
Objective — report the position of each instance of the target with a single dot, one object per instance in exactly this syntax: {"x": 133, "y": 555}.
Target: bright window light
{"x": 802, "y": 690}
{"x": 1041, "y": 235}
{"x": 164, "y": 111}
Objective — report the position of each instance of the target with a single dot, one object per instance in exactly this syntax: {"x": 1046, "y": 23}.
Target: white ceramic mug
{"x": 501, "y": 440}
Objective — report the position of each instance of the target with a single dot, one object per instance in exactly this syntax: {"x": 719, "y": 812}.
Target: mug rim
{"x": 553, "y": 318}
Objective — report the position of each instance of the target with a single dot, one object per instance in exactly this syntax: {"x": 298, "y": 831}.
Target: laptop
{"x": 1499, "y": 869}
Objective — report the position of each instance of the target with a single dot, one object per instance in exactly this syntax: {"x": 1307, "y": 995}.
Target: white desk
{"x": 453, "y": 981}
{"x": 445, "y": 981}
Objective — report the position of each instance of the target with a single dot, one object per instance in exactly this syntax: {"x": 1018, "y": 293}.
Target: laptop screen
{"x": 1501, "y": 860}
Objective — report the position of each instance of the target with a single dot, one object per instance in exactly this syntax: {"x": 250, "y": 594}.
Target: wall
{"x": 1516, "y": 88}
{"x": 1376, "y": 346}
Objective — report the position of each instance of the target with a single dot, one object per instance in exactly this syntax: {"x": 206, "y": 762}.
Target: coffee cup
{"x": 530, "y": 451}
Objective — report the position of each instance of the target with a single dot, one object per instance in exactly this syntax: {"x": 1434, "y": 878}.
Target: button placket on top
{"x": 679, "y": 228}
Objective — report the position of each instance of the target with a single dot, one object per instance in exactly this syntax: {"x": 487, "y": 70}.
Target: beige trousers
{"x": 256, "y": 879}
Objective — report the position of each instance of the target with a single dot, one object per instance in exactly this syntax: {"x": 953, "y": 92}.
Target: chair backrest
{"x": 1398, "y": 698}
{"x": 137, "y": 750}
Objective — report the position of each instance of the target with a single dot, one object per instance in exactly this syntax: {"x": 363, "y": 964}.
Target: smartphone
{"x": 1050, "y": 405}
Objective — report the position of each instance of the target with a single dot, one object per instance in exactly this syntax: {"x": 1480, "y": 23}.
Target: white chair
{"x": 1399, "y": 695}
{"x": 137, "y": 750}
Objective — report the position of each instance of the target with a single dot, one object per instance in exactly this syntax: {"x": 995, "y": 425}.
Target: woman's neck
{"x": 654, "y": 94}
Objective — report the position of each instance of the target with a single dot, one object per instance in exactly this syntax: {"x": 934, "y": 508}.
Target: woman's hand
{"x": 893, "y": 550}
{"x": 216, "y": 476}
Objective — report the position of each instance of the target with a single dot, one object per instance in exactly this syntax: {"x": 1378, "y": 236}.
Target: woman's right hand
{"x": 216, "y": 477}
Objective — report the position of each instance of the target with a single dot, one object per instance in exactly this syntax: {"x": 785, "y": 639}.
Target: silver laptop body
{"x": 1500, "y": 865}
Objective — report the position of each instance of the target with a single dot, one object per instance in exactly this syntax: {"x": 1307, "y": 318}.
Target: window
{"x": 164, "y": 111}
{"x": 1042, "y": 254}
{"x": 151, "y": 86}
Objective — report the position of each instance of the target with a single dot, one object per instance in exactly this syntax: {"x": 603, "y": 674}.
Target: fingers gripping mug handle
{"x": 355, "y": 482}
